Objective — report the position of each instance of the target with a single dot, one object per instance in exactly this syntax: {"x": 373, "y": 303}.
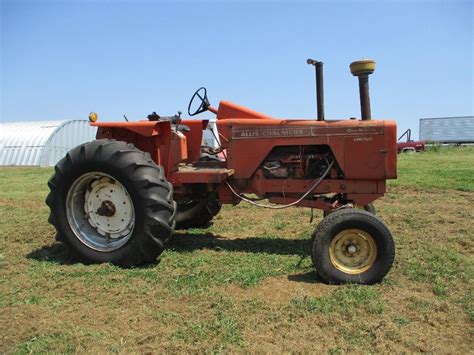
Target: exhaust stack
{"x": 319, "y": 87}
{"x": 362, "y": 69}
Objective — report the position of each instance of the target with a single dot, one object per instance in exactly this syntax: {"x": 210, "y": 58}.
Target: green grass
{"x": 56, "y": 342}
{"x": 441, "y": 268}
{"x": 246, "y": 284}
{"x": 24, "y": 183}
{"x": 440, "y": 168}
{"x": 224, "y": 328}
{"x": 347, "y": 301}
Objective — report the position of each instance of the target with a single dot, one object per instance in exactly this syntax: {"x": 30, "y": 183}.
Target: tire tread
{"x": 147, "y": 179}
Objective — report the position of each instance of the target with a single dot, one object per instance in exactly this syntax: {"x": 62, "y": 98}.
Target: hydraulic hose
{"x": 279, "y": 207}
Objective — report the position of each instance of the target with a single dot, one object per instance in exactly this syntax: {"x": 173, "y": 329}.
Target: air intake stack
{"x": 362, "y": 69}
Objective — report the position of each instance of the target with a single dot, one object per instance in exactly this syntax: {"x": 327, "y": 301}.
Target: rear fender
{"x": 166, "y": 147}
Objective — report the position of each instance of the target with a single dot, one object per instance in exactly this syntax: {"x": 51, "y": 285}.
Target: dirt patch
{"x": 23, "y": 203}
{"x": 281, "y": 289}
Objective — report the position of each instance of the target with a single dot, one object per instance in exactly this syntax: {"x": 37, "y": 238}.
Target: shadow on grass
{"x": 55, "y": 253}
{"x": 59, "y": 254}
{"x": 183, "y": 242}
{"x": 311, "y": 277}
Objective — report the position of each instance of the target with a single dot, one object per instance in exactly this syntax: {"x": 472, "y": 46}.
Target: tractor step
{"x": 188, "y": 174}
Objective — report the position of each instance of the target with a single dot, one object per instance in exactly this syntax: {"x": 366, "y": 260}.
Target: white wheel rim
{"x": 100, "y": 211}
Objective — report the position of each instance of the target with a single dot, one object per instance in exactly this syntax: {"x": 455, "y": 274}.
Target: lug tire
{"x": 144, "y": 181}
{"x": 197, "y": 214}
{"x": 347, "y": 219}
{"x": 369, "y": 208}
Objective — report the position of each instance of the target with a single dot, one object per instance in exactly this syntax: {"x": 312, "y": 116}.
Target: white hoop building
{"x": 41, "y": 143}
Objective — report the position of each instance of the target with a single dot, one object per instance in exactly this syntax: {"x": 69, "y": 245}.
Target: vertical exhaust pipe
{"x": 319, "y": 87}
{"x": 362, "y": 69}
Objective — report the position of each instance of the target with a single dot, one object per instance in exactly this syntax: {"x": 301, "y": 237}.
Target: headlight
{"x": 93, "y": 117}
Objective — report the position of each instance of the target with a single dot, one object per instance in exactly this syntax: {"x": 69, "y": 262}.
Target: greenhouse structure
{"x": 41, "y": 143}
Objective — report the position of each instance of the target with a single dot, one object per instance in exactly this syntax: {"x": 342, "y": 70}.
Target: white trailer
{"x": 455, "y": 130}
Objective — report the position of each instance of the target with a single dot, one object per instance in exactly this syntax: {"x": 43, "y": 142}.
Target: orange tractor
{"x": 119, "y": 198}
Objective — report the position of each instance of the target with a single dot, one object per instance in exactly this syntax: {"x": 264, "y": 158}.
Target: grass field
{"x": 246, "y": 283}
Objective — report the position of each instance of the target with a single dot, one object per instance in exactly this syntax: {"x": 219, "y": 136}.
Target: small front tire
{"x": 352, "y": 246}
{"x": 369, "y": 208}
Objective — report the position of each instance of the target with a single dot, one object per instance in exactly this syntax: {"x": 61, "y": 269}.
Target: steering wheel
{"x": 200, "y": 94}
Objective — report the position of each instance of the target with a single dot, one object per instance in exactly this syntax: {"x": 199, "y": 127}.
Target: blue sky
{"x": 63, "y": 59}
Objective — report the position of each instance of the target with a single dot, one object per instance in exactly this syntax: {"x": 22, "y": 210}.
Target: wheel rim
{"x": 100, "y": 211}
{"x": 353, "y": 251}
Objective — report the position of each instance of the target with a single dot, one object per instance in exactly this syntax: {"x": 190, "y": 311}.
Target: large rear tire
{"x": 352, "y": 246}
{"x": 110, "y": 202}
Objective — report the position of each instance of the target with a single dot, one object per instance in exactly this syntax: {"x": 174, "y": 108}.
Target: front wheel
{"x": 352, "y": 246}
{"x": 369, "y": 208}
{"x": 110, "y": 202}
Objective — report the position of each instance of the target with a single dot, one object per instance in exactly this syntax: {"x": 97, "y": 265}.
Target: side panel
{"x": 363, "y": 149}
{"x": 372, "y": 156}
{"x": 361, "y": 160}
{"x": 390, "y": 149}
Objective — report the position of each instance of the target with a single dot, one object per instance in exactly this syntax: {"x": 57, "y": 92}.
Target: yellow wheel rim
{"x": 353, "y": 251}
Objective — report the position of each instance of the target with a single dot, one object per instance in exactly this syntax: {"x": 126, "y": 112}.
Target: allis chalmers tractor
{"x": 119, "y": 198}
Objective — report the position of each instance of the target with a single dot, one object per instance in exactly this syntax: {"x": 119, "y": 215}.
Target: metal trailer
{"x": 456, "y": 130}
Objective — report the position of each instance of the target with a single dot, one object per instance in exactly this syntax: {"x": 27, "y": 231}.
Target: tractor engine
{"x": 300, "y": 162}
